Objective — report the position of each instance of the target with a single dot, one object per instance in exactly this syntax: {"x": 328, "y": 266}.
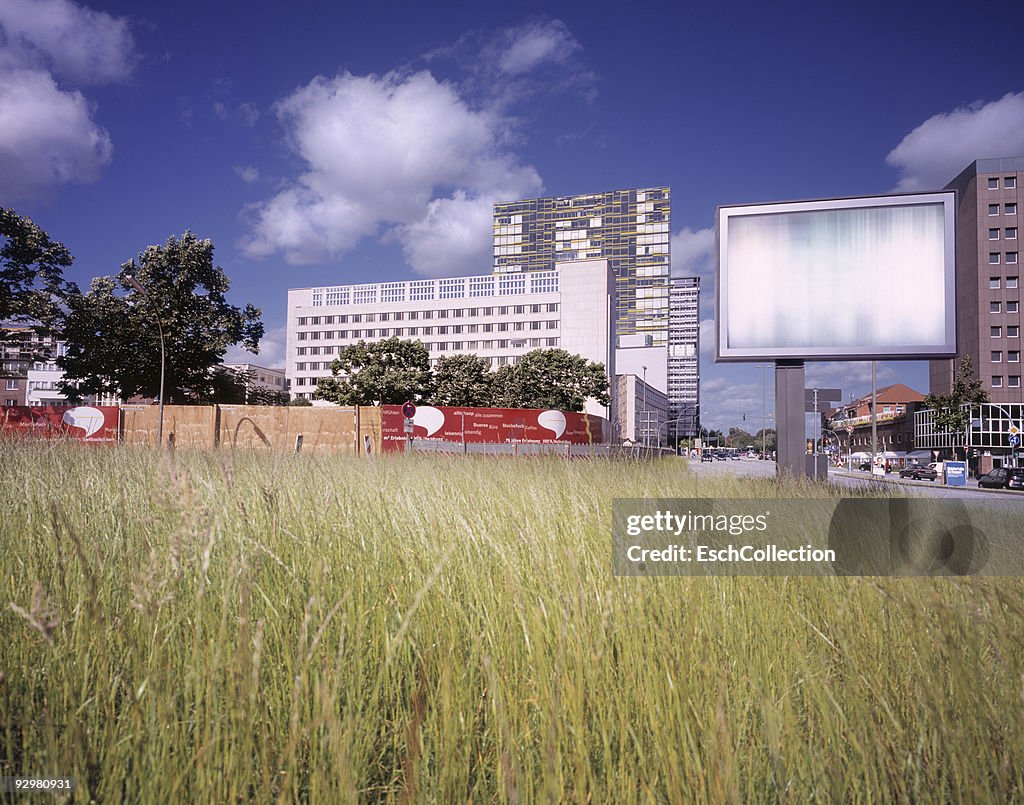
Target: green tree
{"x": 769, "y": 438}
{"x": 950, "y": 415}
{"x": 463, "y": 380}
{"x": 738, "y": 438}
{"x": 32, "y": 281}
{"x": 551, "y": 378}
{"x": 388, "y": 372}
{"x": 112, "y": 332}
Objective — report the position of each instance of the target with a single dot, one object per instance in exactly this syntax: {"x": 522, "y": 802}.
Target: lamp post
{"x": 163, "y": 355}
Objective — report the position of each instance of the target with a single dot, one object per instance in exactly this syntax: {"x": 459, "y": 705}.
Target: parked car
{"x": 919, "y": 472}
{"x": 1003, "y": 478}
{"x": 865, "y": 466}
{"x": 706, "y": 455}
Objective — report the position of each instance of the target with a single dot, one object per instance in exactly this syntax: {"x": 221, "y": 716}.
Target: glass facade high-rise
{"x": 631, "y": 229}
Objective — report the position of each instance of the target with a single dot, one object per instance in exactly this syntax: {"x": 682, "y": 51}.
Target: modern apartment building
{"x": 988, "y": 278}
{"x": 684, "y": 357}
{"x": 630, "y": 229}
{"x": 499, "y": 317}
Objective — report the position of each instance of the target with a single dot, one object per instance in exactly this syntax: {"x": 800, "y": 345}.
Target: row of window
{"x": 866, "y": 440}
{"x": 444, "y": 329}
{"x": 1007, "y": 233}
{"x": 997, "y": 307}
{"x": 1012, "y": 331}
{"x": 1009, "y": 182}
{"x": 1009, "y": 208}
{"x": 1013, "y": 381}
{"x": 413, "y": 315}
{"x": 994, "y": 258}
{"x": 1013, "y": 356}
{"x": 441, "y": 346}
{"x": 996, "y": 282}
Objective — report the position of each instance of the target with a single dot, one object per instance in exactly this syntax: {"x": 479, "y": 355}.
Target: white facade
{"x": 262, "y": 377}
{"x": 636, "y": 356}
{"x": 641, "y": 412}
{"x": 500, "y": 318}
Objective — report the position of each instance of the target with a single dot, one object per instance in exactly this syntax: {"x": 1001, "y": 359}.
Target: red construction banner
{"x": 489, "y": 426}
{"x": 82, "y": 423}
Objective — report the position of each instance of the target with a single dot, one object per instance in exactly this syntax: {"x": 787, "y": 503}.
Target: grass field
{"x": 222, "y": 626}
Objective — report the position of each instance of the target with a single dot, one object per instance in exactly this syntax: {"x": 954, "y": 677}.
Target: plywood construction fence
{"x": 316, "y": 429}
{"x": 187, "y": 425}
{"x": 256, "y": 427}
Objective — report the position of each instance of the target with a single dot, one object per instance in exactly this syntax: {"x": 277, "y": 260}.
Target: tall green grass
{"x": 221, "y": 626}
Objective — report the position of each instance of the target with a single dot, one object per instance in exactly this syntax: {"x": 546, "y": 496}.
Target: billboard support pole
{"x": 789, "y": 418}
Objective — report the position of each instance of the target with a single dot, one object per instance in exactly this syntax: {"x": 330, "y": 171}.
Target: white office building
{"x": 498, "y": 317}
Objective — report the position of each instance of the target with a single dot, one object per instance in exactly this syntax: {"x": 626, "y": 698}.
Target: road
{"x": 857, "y": 479}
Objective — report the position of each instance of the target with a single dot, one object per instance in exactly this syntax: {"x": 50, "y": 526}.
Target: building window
{"x": 997, "y": 381}
{"x": 995, "y": 332}
{"x": 1011, "y": 282}
{"x": 997, "y": 357}
{"x": 993, "y": 283}
{"x": 12, "y": 385}
{"x": 1011, "y": 258}
{"x": 1014, "y": 381}
{"x": 995, "y": 307}
{"x": 1013, "y": 331}
{"x": 1013, "y": 356}
{"x": 1010, "y": 182}
{"x": 993, "y": 184}
{"x": 993, "y": 209}
{"x": 1010, "y": 208}
{"x": 1012, "y": 307}
{"x": 1011, "y": 233}
{"x": 993, "y": 234}
{"x": 993, "y": 258}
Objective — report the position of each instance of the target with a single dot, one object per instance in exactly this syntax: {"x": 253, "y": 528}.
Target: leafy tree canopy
{"x": 738, "y": 438}
{"x": 113, "y": 331}
{"x": 949, "y": 413}
{"x": 551, "y": 378}
{"x": 31, "y": 278}
{"x": 463, "y": 380}
{"x": 388, "y": 372}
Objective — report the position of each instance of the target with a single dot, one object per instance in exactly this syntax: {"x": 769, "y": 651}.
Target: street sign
{"x": 408, "y": 425}
{"x": 409, "y": 410}
{"x": 849, "y": 430}
{"x": 1014, "y": 430}
{"x": 1015, "y": 440}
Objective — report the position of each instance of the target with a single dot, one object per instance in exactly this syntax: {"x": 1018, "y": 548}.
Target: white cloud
{"x": 271, "y": 354}
{"x": 400, "y": 153}
{"x": 693, "y": 252}
{"x": 531, "y": 45}
{"x": 86, "y": 46}
{"x": 47, "y": 137}
{"x": 937, "y": 150}
{"x": 247, "y": 173}
{"x": 446, "y": 240}
{"x": 707, "y": 338}
{"x": 47, "y": 133}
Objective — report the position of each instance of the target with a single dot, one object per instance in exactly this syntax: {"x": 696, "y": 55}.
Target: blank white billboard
{"x": 854, "y": 279}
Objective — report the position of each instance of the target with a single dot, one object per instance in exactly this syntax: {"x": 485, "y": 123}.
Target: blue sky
{"x": 334, "y": 143}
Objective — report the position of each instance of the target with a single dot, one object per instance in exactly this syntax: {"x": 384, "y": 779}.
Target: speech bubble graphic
{"x": 85, "y": 417}
{"x": 430, "y": 418}
{"x": 553, "y": 421}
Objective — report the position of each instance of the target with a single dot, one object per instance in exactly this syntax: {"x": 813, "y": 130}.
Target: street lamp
{"x": 135, "y": 284}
